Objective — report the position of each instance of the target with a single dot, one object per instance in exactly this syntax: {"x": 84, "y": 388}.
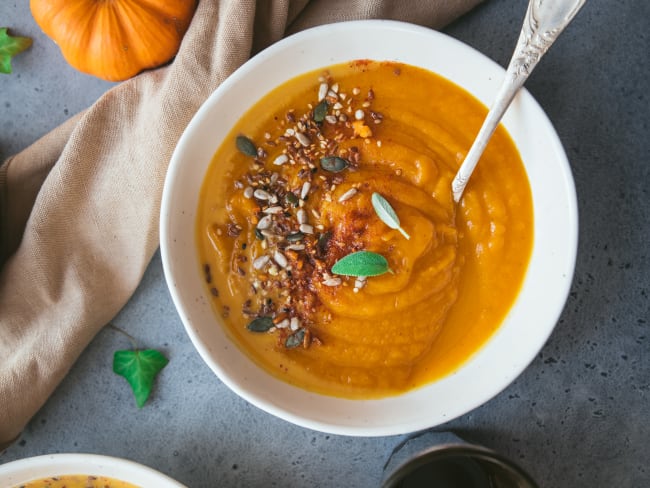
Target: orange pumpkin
{"x": 115, "y": 39}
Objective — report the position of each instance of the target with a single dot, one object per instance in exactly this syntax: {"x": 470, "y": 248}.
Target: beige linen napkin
{"x": 79, "y": 208}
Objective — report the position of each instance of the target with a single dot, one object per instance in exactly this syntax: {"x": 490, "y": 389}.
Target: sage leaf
{"x": 333, "y": 164}
{"x": 246, "y": 146}
{"x": 295, "y": 339}
{"x": 386, "y": 213}
{"x": 260, "y": 324}
{"x": 140, "y": 368}
{"x": 361, "y": 263}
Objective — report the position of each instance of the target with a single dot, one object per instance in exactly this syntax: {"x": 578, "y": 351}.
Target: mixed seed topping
{"x": 292, "y": 259}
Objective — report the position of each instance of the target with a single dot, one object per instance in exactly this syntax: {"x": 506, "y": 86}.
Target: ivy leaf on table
{"x": 9, "y": 47}
{"x": 140, "y": 368}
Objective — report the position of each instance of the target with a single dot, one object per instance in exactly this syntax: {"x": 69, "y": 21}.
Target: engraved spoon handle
{"x": 544, "y": 21}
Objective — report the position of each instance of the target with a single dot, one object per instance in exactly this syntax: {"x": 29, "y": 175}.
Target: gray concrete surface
{"x": 577, "y": 417}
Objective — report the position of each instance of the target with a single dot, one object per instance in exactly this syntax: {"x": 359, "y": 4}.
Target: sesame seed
{"x": 289, "y": 132}
{"x": 356, "y": 90}
{"x": 239, "y": 185}
{"x": 315, "y": 213}
{"x": 359, "y": 115}
{"x": 337, "y": 106}
{"x": 248, "y": 192}
{"x": 267, "y": 136}
{"x": 335, "y": 87}
{"x": 330, "y": 119}
{"x": 332, "y": 94}
{"x": 365, "y": 104}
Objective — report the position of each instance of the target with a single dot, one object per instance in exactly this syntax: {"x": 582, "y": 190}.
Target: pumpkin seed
{"x": 320, "y": 111}
{"x": 295, "y": 237}
{"x": 260, "y": 324}
{"x": 333, "y": 164}
{"x": 258, "y": 234}
{"x": 291, "y": 199}
{"x": 295, "y": 339}
{"x": 246, "y": 146}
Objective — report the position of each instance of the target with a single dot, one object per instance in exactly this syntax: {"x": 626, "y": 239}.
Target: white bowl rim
{"x": 34, "y": 468}
{"x": 338, "y": 420}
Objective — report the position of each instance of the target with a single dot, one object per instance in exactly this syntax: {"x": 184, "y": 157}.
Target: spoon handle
{"x": 544, "y": 21}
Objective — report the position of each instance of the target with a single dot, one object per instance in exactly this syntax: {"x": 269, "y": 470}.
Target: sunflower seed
{"x": 301, "y": 215}
{"x": 303, "y": 139}
{"x": 332, "y": 282}
{"x": 348, "y": 194}
{"x": 322, "y": 91}
{"x": 306, "y": 229}
{"x": 279, "y": 258}
{"x": 273, "y": 210}
{"x": 294, "y": 324}
{"x": 283, "y": 324}
{"x": 281, "y": 159}
{"x": 264, "y": 223}
{"x": 305, "y": 189}
{"x": 260, "y": 262}
{"x": 295, "y": 247}
{"x": 261, "y": 194}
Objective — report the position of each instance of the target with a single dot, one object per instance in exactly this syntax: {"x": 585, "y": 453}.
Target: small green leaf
{"x": 260, "y": 324}
{"x": 386, "y": 213}
{"x": 295, "y": 339}
{"x": 320, "y": 111}
{"x": 9, "y": 47}
{"x": 333, "y": 164}
{"x": 246, "y": 146}
{"x": 361, "y": 263}
{"x": 140, "y": 368}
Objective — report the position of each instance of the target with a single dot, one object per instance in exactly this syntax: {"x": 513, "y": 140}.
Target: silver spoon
{"x": 544, "y": 21}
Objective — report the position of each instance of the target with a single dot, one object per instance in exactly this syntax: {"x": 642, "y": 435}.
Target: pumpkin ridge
{"x": 146, "y": 33}
{"x": 114, "y": 39}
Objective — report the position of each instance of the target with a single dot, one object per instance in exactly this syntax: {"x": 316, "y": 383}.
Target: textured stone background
{"x": 577, "y": 417}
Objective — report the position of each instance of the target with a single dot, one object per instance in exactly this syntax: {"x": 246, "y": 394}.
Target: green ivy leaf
{"x": 9, "y": 47}
{"x": 140, "y": 368}
{"x": 361, "y": 263}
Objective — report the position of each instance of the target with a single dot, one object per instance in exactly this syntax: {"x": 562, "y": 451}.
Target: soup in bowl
{"x": 313, "y": 249}
{"x": 71, "y": 470}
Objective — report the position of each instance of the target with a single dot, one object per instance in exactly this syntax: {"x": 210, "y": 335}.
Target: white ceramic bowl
{"x": 531, "y": 319}
{"x": 34, "y": 468}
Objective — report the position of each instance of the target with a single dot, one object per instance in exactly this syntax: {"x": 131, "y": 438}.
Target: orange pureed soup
{"x": 76, "y": 481}
{"x": 289, "y": 194}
